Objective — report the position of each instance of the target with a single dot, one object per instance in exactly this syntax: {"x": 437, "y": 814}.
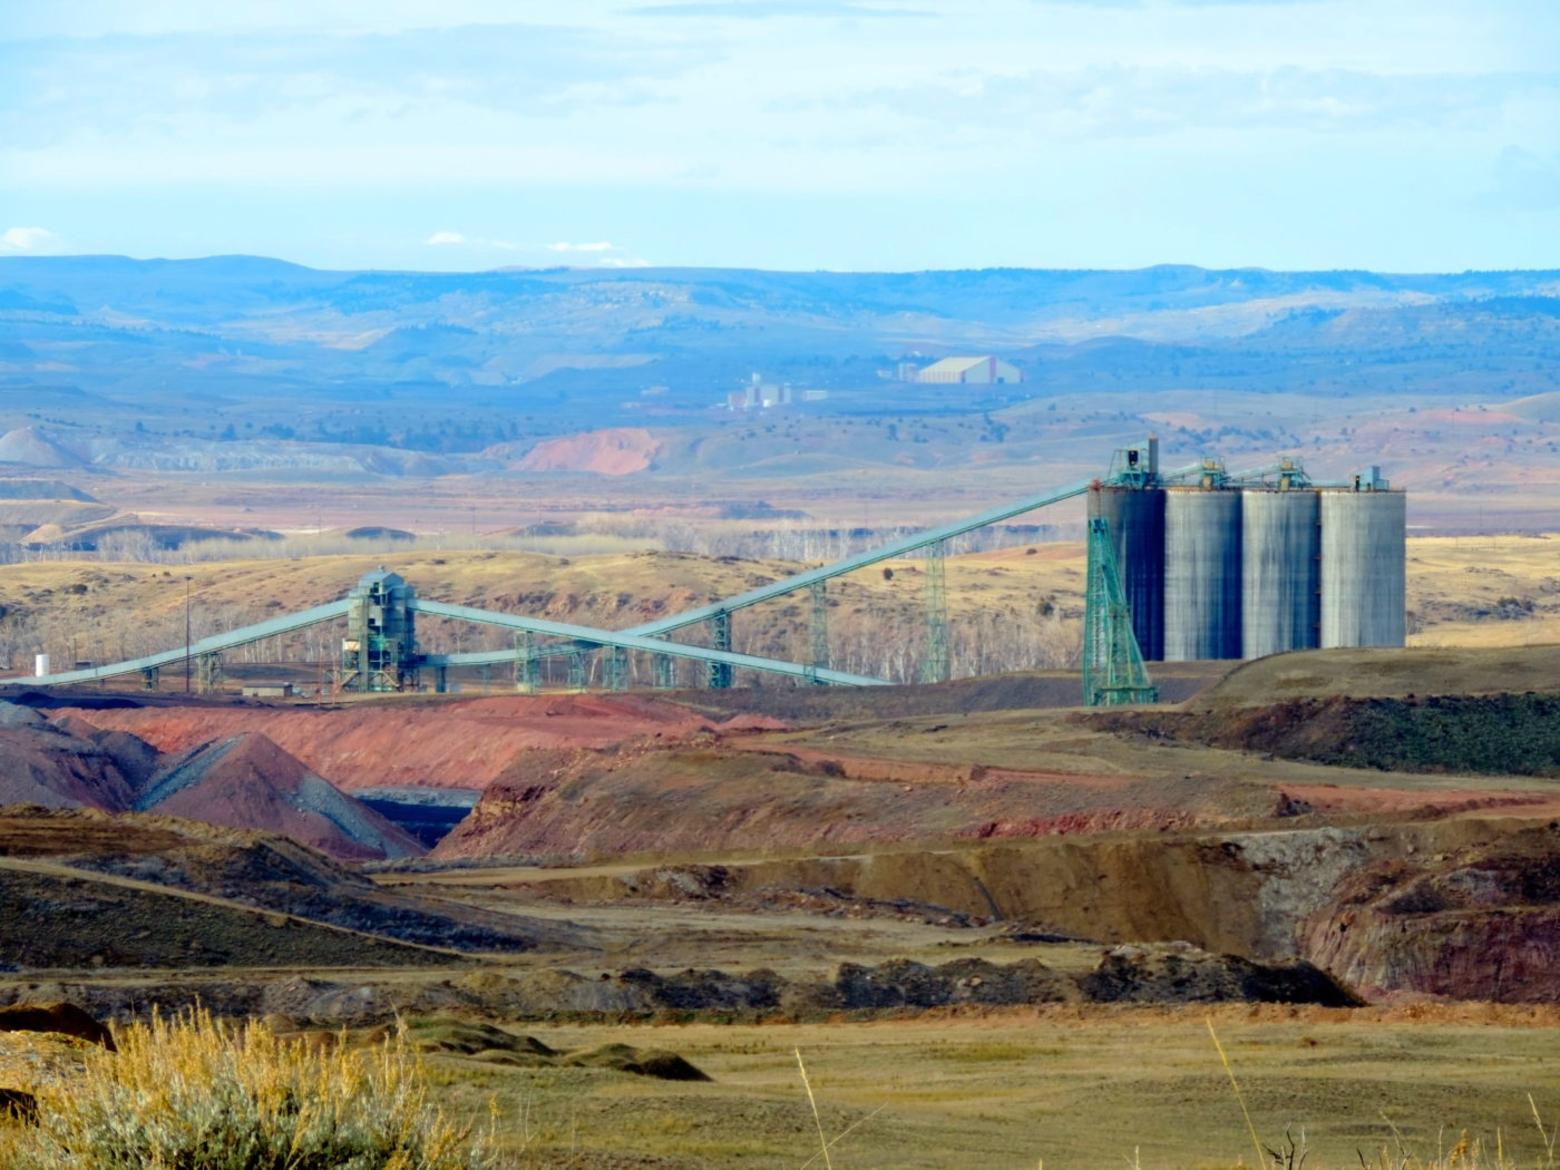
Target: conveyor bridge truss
{"x": 380, "y": 652}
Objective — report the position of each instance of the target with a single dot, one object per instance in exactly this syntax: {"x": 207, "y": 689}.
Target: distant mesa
{"x": 41, "y": 489}
{"x": 613, "y": 451}
{"x": 117, "y": 535}
{"x": 33, "y": 448}
{"x": 378, "y": 532}
{"x": 1537, "y": 407}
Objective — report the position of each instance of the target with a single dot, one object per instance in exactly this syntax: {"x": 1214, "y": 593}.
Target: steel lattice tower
{"x": 936, "y": 665}
{"x": 718, "y": 675}
{"x": 1113, "y": 670}
{"x": 528, "y": 668}
{"x": 818, "y": 594}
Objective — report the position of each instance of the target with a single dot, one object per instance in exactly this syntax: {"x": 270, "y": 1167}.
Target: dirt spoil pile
{"x": 247, "y": 781}
{"x": 442, "y": 744}
{"x": 41, "y": 764}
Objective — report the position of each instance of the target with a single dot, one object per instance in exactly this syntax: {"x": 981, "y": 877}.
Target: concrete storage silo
{"x": 1202, "y": 573}
{"x": 1280, "y": 596}
{"x": 1363, "y": 554}
{"x": 1137, "y": 526}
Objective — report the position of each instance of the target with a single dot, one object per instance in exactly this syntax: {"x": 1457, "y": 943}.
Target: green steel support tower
{"x": 1113, "y": 670}
{"x": 616, "y": 668}
{"x": 936, "y": 664}
{"x": 719, "y": 674}
{"x": 818, "y": 592}
{"x": 665, "y": 672}
{"x": 208, "y": 673}
{"x": 528, "y": 668}
{"x": 578, "y": 670}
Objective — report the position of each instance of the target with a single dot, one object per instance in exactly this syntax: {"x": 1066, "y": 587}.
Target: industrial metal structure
{"x": 1280, "y": 588}
{"x": 1113, "y": 670}
{"x": 1241, "y": 565}
{"x": 1190, "y": 563}
{"x": 379, "y": 652}
{"x": 1363, "y": 563}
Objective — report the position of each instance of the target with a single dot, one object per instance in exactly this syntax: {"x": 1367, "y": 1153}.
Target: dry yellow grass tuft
{"x": 194, "y": 1091}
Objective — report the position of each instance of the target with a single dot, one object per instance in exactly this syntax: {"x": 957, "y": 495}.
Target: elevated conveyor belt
{"x": 649, "y": 636}
{"x": 215, "y": 644}
{"x": 623, "y": 639}
{"x": 895, "y": 548}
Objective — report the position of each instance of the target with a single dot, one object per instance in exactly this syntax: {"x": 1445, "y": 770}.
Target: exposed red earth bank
{"x": 613, "y": 451}
{"x": 454, "y": 744}
{"x": 242, "y": 781}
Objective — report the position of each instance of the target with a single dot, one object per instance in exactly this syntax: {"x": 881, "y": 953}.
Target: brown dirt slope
{"x": 713, "y": 797}
{"x": 55, "y": 917}
{"x": 1177, "y": 682}
{"x": 1386, "y": 673}
{"x": 256, "y": 871}
{"x": 1504, "y": 734}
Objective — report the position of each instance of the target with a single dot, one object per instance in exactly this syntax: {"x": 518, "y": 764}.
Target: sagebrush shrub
{"x": 195, "y": 1093}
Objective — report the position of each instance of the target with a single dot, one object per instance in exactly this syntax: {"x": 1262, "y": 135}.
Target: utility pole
{"x": 186, "y": 633}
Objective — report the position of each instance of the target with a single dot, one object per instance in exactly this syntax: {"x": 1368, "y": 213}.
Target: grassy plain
{"x": 1059, "y": 1087}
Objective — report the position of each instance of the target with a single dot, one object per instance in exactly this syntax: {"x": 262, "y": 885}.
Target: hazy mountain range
{"x": 246, "y": 348}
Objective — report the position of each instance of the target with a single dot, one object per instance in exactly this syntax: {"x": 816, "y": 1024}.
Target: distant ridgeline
{"x": 109, "y": 342}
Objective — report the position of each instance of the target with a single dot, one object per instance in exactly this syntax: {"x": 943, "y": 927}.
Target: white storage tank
{"x": 1364, "y": 527}
{"x": 1202, "y": 573}
{"x": 40, "y": 665}
{"x": 1281, "y": 547}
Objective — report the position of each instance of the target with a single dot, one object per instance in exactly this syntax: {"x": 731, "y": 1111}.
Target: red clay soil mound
{"x": 45, "y": 765}
{"x": 701, "y": 798}
{"x": 247, "y": 782}
{"x": 614, "y": 451}
{"x": 448, "y": 744}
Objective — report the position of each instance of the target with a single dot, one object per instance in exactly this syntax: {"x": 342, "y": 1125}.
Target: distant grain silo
{"x": 1137, "y": 526}
{"x": 1364, "y": 527}
{"x": 1202, "y": 573}
{"x": 1281, "y": 571}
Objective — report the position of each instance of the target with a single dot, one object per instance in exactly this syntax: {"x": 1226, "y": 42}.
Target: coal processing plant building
{"x": 1215, "y": 566}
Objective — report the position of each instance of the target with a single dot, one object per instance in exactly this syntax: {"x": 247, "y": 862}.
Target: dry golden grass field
{"x": 1055, "y": 1087}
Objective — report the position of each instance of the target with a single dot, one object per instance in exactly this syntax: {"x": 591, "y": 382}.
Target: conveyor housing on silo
{"x": 1363, "y": 554}
{"x": 1203, "y": 570}
{"x": 1281, "y": 569}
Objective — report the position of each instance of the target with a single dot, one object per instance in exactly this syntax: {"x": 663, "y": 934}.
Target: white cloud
{"x": 623, "y": 262}
{"x": 444, "y": 239}
{"x": 597, "y": 246}
{"x": 26, "y": 239}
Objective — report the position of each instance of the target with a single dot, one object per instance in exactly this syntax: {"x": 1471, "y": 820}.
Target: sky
{"x": 1403, "y": 135}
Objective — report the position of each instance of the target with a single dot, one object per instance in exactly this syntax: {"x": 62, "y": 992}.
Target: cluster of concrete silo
{"x": 1225, "y": 569}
